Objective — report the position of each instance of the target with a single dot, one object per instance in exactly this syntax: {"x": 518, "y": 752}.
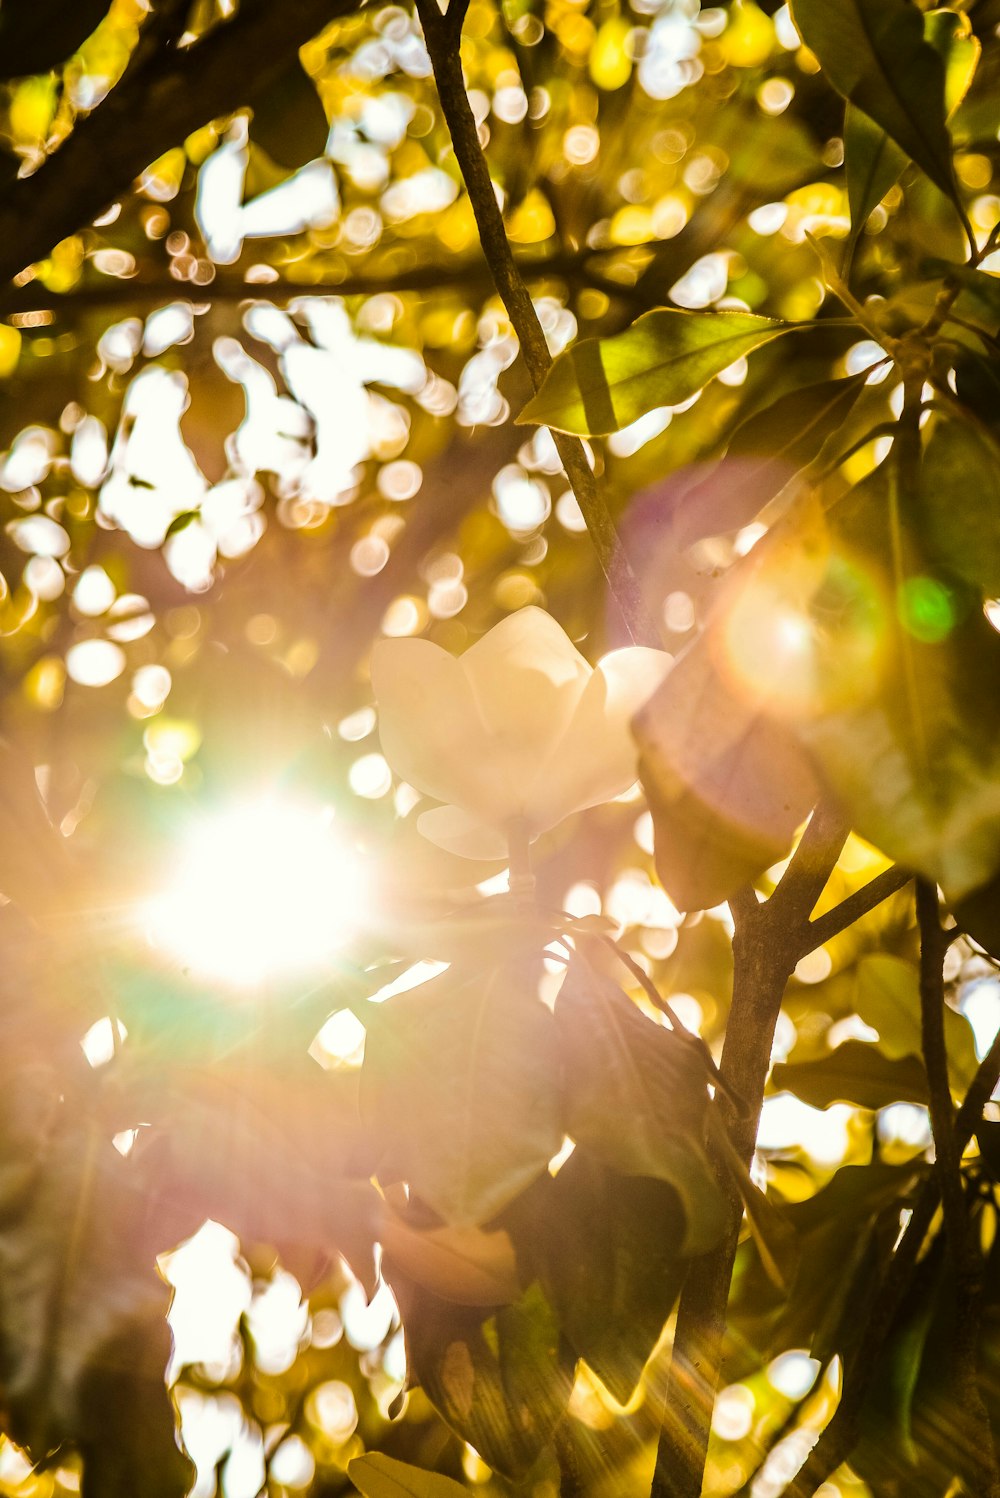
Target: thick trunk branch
{"x": 766, "y": 947}
{"x": 159, "y": 102}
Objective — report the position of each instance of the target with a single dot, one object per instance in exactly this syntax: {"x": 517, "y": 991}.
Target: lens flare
{"x": 926, "y": 609}
{"x": 259, "y": 891}
{"x": 807, "y": 640}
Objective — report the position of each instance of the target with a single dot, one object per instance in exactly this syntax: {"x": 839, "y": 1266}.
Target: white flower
{"x": 518, "y": 731}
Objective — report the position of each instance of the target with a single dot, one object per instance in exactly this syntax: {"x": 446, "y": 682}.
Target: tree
{"x": 565, "y": 393}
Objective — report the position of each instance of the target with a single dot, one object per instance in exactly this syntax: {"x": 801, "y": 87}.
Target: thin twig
{"x": 571, "y": 1482}
{"x": 690, "y": 1037}
{"x": 979, "y": 1094}
{"x": 442, "y": 34}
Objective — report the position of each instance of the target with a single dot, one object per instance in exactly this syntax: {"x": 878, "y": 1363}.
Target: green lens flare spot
{"x": 926, "y": 609}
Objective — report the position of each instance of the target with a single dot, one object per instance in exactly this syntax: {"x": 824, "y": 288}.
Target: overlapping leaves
{"x": 82, "y": 1310}
{"x": 888, "y": 709}
{"x": 636, "y": 1096}
{"x": 873, "y": 159}
{"x": 470, "y": 1084}
{"x": 845, "y": 1232}
{"x": 502, "y": 1381}
{"x": 875, "y": 55}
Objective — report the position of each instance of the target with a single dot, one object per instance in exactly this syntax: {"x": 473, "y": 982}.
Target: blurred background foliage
{"x": 255, "y": 411}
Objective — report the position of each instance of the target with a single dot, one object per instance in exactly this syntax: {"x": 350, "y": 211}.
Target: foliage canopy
{"x": 416, "y": 426}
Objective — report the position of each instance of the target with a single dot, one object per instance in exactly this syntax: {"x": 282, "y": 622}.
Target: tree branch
{"x": 114, "y": 292}
{"x": 765, "y": 950}
{"x": 154, "y": 107}
{"x": 962, "y": 1252}
{"x": 442, "y": 35}
{"x": 834, "y": 921}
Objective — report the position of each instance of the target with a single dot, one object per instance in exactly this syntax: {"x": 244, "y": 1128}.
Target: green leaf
{"x": 916, "y": 1420}
{"x": 912, "y": 748}
{"x": 38, "y": 35}
{"x": 380, "y": 1476}
{"x": 977, "y": 382}
{"x": 464, "y": 1265}
{"x": 886, "y": 991}
{"x": 844, "y": 1233}
{"x": 854, "y": 1073}
{"x": 873, "y": 52}
{"x": 461, "y": 1085}
{"x": 932, "y": 801}
{"x": 636, "y": 1095}
{"x": 727, "y": 782}
{"x": 847, "y": 1231}
{"x": 959, "y": 503}
{"x": 951, "y": 35}
{"x": 873, "y": 162}
{"x": 268, "y": 1149}
{"x": 615, "y": 1290}
{"x": 764, "y": 453}
{"x": 499, "y": 1381}
{"x": 82, "y": 1310}
{"x": 603, "y": 384}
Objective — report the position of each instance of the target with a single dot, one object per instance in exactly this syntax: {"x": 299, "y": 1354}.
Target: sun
{"x": 261, "y": 890}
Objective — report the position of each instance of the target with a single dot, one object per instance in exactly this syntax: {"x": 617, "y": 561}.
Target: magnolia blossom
{"x": 518, "y": 732}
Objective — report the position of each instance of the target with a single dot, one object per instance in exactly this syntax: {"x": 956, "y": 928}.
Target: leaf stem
{"x": 442, "y": 33}
{"x": 521, "y": 876}
{"x": 681, "y": 1030}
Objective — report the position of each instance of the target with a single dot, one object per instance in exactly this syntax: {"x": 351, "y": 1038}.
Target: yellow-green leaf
{"x": 603, "y": 384}
{"x": 378, "y": 1476}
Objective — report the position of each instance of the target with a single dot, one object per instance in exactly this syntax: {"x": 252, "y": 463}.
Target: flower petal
{"x": 431, "y": 731}
{"x": 528, "y": 678}
{"x": 597, "y": 757}
{"x": 453, "y": 829}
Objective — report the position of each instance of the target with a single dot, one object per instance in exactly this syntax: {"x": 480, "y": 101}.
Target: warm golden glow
{"x": 259, "y": 890}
